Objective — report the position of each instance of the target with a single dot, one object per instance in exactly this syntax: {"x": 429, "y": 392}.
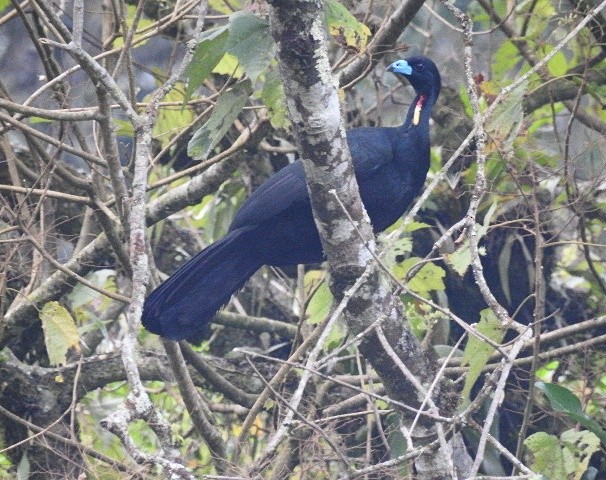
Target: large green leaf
{"x": 228, "y": 107}
{"x": 251, "y": 42}
{"x": 208, "y": 53}
{"x": 563, "y": 400}
{"x": 477, "y": 351}
{"x": 505, "y": 60}
{"x": 564, "y": 458}
{"x": 60, "y": 332}
{"x": 547, "y": 456}
{"x": 560, "y": 398}
{"x": 428, "y": 278}
{"x": 579, "y": 446}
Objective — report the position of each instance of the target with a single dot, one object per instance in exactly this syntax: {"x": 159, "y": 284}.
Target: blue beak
{"x": 401, "y": 67}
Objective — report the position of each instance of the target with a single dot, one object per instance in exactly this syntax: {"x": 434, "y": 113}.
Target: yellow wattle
{"x": 417, "y": 115}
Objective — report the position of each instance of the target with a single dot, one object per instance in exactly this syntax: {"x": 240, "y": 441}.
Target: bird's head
{"x": 422, "y": 74}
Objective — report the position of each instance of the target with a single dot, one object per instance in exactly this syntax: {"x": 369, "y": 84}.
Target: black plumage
{"x": 275, "y": 225}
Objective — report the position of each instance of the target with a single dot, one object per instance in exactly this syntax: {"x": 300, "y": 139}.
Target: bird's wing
{"x": 370, "y": 148}
{"x": 279, "y": 193}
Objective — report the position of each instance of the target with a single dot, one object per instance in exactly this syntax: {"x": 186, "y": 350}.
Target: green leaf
{"x": 171, "y": 120}
{"x": 477, "y": 351}
{"x": 505, "y": 60}
{"x": 60, "y": 332}
{"x": 320, "y": 303}
{"x": 83, "y": 296}
{"x": 37, "y": 120}
{"x": 274, "y": 99}
{"x": 229, "y": 65}
{"x": 540, "y": 14}
{"x": 566, "y": 458}
{"x": 345, "y": 27}
{"x": 397, "y": 443}
{"x": 557, "y": 65}
{"x": 465, "y": 101}
{"x": 398, "y": 247}
{"x": 335, "y": 337}
{"x": 547, "y": 371}
{"x": 491, "y": 88}
{"x": 124, "y": 128}
{"x": 428, "y": 278}
{"x": 547, "y": 455}
{"x": 143, "y": 23}
{"x": 228, "y": 107}
{"x": 563, "y": 400}
{"x": 579, "y": 447}
{"x": 460, "y": 259}
{"x": 226, "y": 8}
{"x": 560, "y": 398}
{"x": 207, "y": 55}
{"x": 251, "y": 42}
{"x": 504, "y": 124}
{"x": 413, "y": 226}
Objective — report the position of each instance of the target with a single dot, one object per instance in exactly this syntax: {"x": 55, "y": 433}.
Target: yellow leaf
{"x": 229, "y": 65}
{"x": 60, "y": 332}
{"x": 344, "y": 27}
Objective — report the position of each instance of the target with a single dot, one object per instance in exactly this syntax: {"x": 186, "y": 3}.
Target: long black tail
{"x": 183, "y": 306}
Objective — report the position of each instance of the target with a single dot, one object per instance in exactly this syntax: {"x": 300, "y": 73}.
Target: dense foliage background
{"x": 96, "y": 97}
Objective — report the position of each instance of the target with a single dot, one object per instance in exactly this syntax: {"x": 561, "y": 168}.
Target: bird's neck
{"x": 419, "y": 112}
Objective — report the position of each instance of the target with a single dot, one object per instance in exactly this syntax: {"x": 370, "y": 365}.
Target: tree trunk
{"x": 347, "y": 238}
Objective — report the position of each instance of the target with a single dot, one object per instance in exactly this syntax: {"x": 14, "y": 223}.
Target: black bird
{"x": 275, "y": 225}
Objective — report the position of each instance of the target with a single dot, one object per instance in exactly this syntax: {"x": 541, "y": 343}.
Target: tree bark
{"x": 347, "y": 237}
